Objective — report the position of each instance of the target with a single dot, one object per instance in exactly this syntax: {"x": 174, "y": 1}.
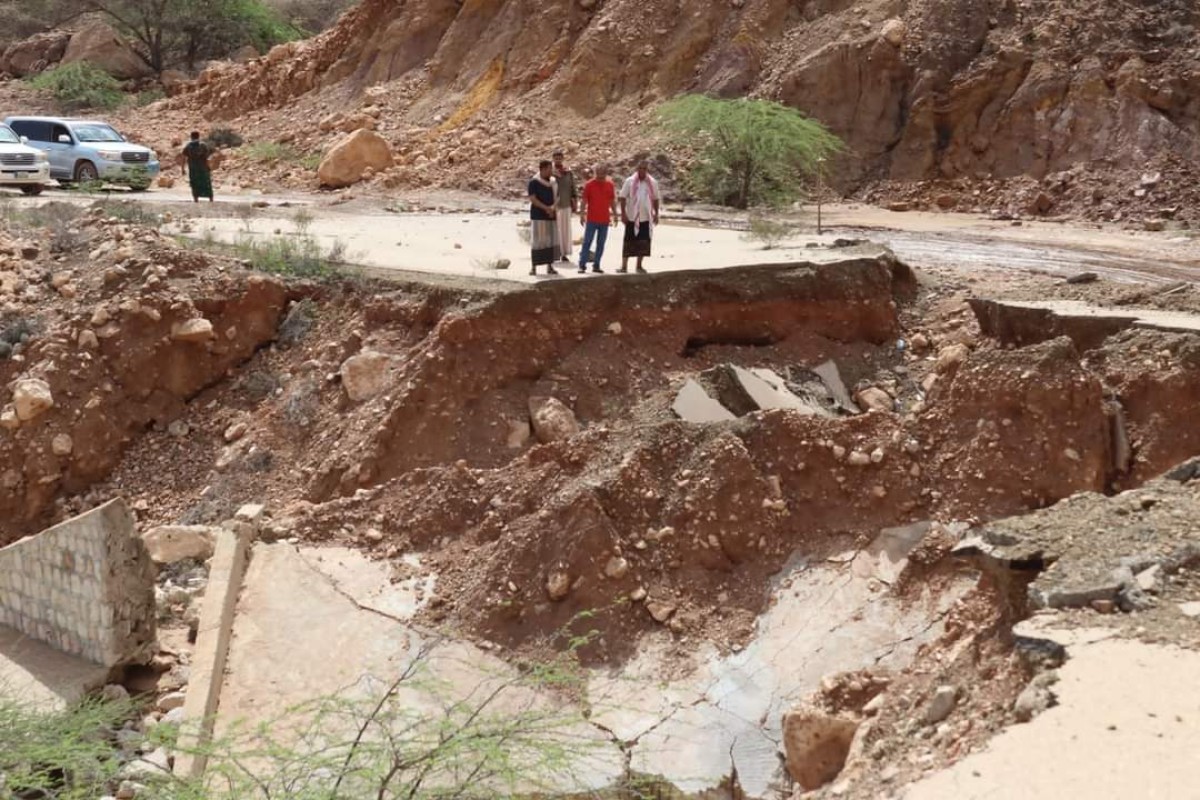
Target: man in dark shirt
{"x": 542, "y": 213}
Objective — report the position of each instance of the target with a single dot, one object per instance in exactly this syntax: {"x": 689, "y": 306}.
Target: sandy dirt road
{"x": 466, "y": 235}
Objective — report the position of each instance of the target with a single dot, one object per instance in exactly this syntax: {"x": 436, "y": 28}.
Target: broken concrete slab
{"x": 693, "y": 404}
{"x": 744, "y": 391}
{"x": 832, "y": 378}
{"x": 42, "y": 678}
{"x": 311, "y": 624}
{"x": 85, "y": 587}
{"x": 1115, "y": 730}
{"x": 731, "y": 707}
{"x": 1023, "y": 323}
{"x": 1087, "y": 551}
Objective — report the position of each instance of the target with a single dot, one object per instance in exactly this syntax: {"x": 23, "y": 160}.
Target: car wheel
{"x": 85, "y": 172}
{"x": 32, "y": 191}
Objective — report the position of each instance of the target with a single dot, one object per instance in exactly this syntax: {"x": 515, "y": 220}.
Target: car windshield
{"x": 7, "y": 136}
{"x": 97, "y": 133}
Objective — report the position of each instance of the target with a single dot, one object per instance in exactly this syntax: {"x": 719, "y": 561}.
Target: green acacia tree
{"x": 170, "y": 33}
{"x": 751, "y": 152}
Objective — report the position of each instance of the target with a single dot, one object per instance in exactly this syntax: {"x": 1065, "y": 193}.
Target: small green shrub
{"x": 224, "y": 137}
{"x": 270, "y": 152}
{"x": 80, "y": 85}
{"x": 768, "y": 232}
{"x": 301, "y": 257}
{"x": 311, "y": 161}
{"x": 145, "y": 98}
{"x": 303, "y": 220}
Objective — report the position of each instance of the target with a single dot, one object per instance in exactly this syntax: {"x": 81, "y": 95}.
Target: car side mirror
{"x": 64, "y": 139}
{"x": 24, "y": 140}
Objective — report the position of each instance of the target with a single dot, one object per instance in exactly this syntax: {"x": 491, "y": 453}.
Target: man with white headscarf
{"x": 639, "y": 199}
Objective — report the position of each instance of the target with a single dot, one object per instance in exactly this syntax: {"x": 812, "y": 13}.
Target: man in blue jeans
{"x": 598, "y": 212}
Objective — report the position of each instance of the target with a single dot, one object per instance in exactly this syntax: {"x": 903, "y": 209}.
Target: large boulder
{"x": 350, "y": 158}
{"x": 35, "y": 54}
{"x": 101, "y": 46}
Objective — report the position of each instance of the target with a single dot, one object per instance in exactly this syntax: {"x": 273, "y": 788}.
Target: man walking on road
{"x": 542, "y": 225}
{"x": 639, "y": 212}
{"x": 568, "y": 199}
{"x": 598, "y": 212}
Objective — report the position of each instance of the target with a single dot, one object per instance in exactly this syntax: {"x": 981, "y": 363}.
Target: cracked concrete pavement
{"x": 335, "y": 619}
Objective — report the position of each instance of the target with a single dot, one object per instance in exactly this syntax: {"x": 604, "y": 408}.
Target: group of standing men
{"x": 555, "y": 197}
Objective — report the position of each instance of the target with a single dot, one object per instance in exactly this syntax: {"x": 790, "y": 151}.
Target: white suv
{"x": 22, "y": 167}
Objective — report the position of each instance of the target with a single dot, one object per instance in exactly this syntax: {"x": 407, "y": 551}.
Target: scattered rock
{"x": 660, "y": 611}
{"x": 552, "y": 420}
{"x": 171, "y": 701}
{"x": 62, "y": 445}
{"x": 875, "y": 399}
{"x": 1190, "y": 609}
{"x": 365, "y": 375}
{"x": 1083, "y": 277}
{"x": 197, "y": 329}
{"x": 32, "y": 398}
{"x": 951, "y": 356}
{"x": 168, "y": 544}
{"x": 941, "y": 704}
{"x": 558, "y": 585}
{"x": 816, "y": 745}
{"x": 617, "y": 568}
{"x": 893, "y": 32}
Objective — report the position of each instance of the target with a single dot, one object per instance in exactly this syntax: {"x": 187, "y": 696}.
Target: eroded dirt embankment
{"x": 523, "y": 440}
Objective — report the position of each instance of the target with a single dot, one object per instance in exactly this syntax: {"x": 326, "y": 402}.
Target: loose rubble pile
{"x": 540, "y": 450}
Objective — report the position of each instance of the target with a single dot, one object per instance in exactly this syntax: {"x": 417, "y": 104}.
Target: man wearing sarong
{"x": 568, "y": 199}
{"x": 195, "y": 161}
{"x": 639, "y": 201}
{"x": 543, "y": 230}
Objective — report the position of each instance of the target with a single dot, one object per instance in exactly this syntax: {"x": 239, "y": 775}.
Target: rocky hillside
{"x": 919, "y": 89}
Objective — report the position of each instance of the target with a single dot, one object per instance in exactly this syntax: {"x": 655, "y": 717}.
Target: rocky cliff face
{"x": 919, "y": 89}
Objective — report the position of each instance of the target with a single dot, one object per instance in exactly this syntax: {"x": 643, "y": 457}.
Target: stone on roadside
{"x": 171, "y": 701}
{"x": 62, "y": 445}
{"x": 32, "y": 398}
{"x": 816, "y": 744}
{"x": 365, "y": 375}
{"x": 169, "y": 544}
{"x": 1191, "y": 609}
{"x": 552, "y": 420}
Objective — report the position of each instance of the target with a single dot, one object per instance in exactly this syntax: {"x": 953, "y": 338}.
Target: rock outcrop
{"x": 917, "y": 89}
{"x": 98, "y": 44}
{"x": 35, "y": 54}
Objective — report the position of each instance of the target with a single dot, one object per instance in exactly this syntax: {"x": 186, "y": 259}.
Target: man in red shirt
{"x": 598, "y": 212}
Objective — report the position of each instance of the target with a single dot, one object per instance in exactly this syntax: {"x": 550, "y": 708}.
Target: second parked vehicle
{"x": 21, "y": 167}
{"x": 87, "y": 150}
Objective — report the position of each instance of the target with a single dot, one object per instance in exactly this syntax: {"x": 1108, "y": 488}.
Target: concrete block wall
{"x": 85, "y": 587}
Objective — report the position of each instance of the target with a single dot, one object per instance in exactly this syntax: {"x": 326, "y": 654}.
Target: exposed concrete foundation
{"x": 85, "y": 587}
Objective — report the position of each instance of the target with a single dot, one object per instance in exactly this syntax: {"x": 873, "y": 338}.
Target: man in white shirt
{"x": 639, "y": 201}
